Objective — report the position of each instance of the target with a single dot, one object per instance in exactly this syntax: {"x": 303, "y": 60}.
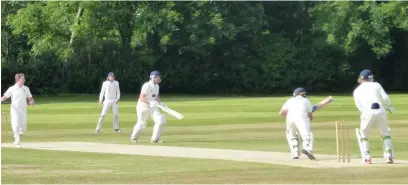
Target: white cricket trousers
{"x": 303, "y": 126}
{"x": 108, "y": 104}
{"x": 18, "y": 122}
{"x": 375, "y": 119}
{"x": 143, "y": 114}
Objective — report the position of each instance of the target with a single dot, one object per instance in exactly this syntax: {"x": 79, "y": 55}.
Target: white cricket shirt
{"x": 111, "y": 90}
{"x": 368, "y": 93}
{"x": 297, "y": 107}
{"x": 151, "y": 91}
{"x": 18, "y": 96}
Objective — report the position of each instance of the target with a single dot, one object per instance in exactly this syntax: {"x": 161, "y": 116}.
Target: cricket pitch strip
{"x": 278, "y": 158}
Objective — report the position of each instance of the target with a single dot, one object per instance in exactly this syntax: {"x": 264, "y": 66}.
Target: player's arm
{"x": 117, "y": 93}
{"x": 284, "y": 110}
{"x": 102, "y": 92}
{"x": 357, "y": 102}
{"x": 386, "y": 99}
{"x": 29, "y": 96}
{"x": 143, "y": 93}
{"x": 6, "y": 95}
{"x": 158, "y": 99}
{"x": 309, "y": 110}
{"x": 384, "y": 96}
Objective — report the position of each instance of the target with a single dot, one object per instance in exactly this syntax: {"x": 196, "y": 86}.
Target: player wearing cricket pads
{"x": 298, "y": 113}
{"x": 148, "y": 106}
{"x": 111, "y": 91}
{"x": 18, "y": 110}
{"x": 367, "y": 98}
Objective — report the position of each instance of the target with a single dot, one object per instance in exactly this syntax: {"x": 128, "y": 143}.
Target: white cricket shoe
{"x": 157, "y": 141}
{"x": 295, "y": 153}
{"x": 367, "y": 159}
{"x": 18, "y": 145}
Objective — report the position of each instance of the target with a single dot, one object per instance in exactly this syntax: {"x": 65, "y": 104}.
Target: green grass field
{"x": 209, "y": 122}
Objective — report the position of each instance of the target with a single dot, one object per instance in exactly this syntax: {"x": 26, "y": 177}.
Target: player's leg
{"x": 365, "y": 128}
{"x": 383, "y": 126}
{"x": 23, "y": 127}
{"x": 159, "y": 122}
{"x": 115, "y": 112}
{"x": 106, "y": 106}
{"x": 307, "y": 137}
{"x": 293, "y": 139}
{"x": 15, "y": 125}
{"x": 143, "y": 113}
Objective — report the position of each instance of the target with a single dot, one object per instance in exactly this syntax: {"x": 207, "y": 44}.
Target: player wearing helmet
{"x": 367, "y": 98}
{"x": 147, "y": 106}
{"x": 298, "y": 113}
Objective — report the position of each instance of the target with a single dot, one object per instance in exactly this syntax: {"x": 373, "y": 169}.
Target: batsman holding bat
{"x": 298, "y": 113}
{"x": 367, "y": 98}
{"x": 148, "y": 106}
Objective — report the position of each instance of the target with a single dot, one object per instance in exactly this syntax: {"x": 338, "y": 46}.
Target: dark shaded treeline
{"x": 204, "y": 47}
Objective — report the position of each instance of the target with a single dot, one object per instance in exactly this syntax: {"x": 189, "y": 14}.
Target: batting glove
{"x": 314, "y": 108}
{"x": 153, "y": 104}
{"x": 163, "y": 105}
{"x": 390, "y": 109}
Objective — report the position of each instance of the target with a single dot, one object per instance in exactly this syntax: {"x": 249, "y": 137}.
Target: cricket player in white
{"x": 19, "y": 94}
{"x": 298, "y": 113}
{"x": 147, "y": 106}
{"x": 367, "y": 98}
{"x": 111, "y": 91}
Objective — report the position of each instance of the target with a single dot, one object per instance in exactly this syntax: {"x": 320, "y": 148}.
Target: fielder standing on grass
{"x": 367, "y": 98}
{"x": 298, "y": 113}
{"x": 111, "y": 91}
{"x": 18, "y": 110}
{"x": 147, "y": 106}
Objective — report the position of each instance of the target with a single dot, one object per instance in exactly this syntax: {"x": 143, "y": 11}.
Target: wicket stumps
{"x": 4, "y": 125}
{"x": 342, "y": 141}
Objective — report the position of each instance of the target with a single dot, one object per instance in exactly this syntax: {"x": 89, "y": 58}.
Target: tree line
{"x": 203, "y": 46}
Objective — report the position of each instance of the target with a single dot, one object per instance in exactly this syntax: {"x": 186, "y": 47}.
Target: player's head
{"x": 155, "y": 77}
{"x": 111, "y": 76}
{"x": 19, "y": 78}
{"x": 299, "y": 91}
{"x": 366, "y": 76}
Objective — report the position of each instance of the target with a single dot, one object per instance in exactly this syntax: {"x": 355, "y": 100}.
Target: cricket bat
{"x": 171, "y": 112}
{"x": 322, "y": 103}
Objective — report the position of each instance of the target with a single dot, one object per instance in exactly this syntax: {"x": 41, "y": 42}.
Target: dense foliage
{"x": 204, "y": 47}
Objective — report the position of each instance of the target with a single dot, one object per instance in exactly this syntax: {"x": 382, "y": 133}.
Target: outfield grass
{"x": 212, "y": 122}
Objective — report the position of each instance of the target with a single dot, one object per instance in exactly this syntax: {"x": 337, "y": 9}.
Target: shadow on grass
{"x": 89, "y": 98}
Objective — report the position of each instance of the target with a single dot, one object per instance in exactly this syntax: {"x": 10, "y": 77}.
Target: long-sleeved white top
{"x": 368, "y": 93}
{"x": 110, "y": 89}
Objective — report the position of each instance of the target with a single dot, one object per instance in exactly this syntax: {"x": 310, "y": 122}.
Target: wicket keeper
{"x": 298, "y": 113}
{"x": 18, "y": 109}
{"x": 367, "y": 98}
{"x": 147, "y": 106}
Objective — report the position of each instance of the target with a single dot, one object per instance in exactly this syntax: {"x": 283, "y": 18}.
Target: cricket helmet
{"x": 366, "y": 75}
{"x": 153, "y": 76}
{"x": 299, "y": 91}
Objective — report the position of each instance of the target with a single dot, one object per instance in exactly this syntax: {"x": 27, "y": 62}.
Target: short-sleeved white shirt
{"x": 18, "y": 96}
{"x": 297, "y": 107}
{"x": 151, "y": 91}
